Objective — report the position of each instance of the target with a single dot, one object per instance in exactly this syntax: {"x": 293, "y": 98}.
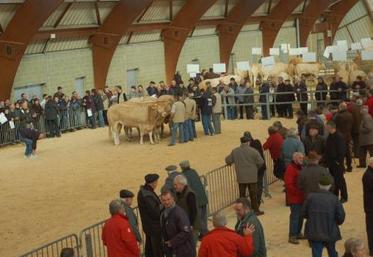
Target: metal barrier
{"x": 54, "y": 248}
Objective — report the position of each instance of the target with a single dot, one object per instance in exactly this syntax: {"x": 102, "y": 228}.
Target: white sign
{"x": 342, "y": 45}
{"x": 339, "y": 56}
{"x": 11, "y": 124}
{"x": 89, "y": 113}
{"x": 303, "y": 50}
{"x": 309, "y": 57}
{"x": 243, "y": 66}
{"x": 285, "y": 47}
{"x": 268, "y": 62}
{"x": 192, "y": 75}
{"x": 356, "y": 46}
{"x": 3, "y": 119}
{"x": 256, "y": 51}
{"x": 274, "y": 51}
{"x": 366, "y": 55}
{"x": 192, "y": 68}
{"x": 329, "y": 50}
{"x": 294, "y": 51}
{"x": 219, "y": 67}
{"x": 367, "y": 42}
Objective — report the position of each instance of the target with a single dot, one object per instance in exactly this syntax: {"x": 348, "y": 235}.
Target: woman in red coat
{"x": 274, "y": 144}
{"x": 294, "y": 197}
{"x": 224, "y": 242}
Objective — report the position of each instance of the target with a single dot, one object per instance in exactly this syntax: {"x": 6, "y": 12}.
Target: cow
{"x": 142, "y": 115}
{"x": 298, "y": 68}
{"x": 214, "y": 82}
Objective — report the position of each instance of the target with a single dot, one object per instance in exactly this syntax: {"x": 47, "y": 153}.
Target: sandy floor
{"x": 69, "y": 186}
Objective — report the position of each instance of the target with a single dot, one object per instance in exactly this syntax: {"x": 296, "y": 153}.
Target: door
{"x": 79, "y": 86}
{"x": 132, "y": 78}
{"x": 31, "y": 91}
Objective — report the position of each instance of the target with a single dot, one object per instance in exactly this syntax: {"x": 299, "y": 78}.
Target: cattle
{"x": 257, "y": 71}
{"x": 214, "y": 82}
{"x": 298, "y": 68}
{"x": 143, "y": 115}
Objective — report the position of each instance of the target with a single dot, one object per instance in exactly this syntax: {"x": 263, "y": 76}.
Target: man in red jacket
{"x": 117, "y": 235}
{"x": 224, "y": 242}
{"x": 294, "y": 197}
{"x": 274, "y": 144}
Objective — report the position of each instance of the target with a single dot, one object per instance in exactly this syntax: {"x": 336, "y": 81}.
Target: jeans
{"x": 188, "y": 131}
{"x": 317, "y": 248}
{"x": 28, "y": 143}
{"x": 194, "y": 128}
{"x": 53, "y": 127}
{"x": 260, "y": 186}
{"x": 296, "y": 222}
{"x": 207, "y": 125}
{"x": 216, "y": 122}
{"x": 203, "y": 215}
{"x": 231, "y": 113}
{"x": 252, "y": 193}
{"x": 101, "y": 121}
{"x": 175, "y": 127}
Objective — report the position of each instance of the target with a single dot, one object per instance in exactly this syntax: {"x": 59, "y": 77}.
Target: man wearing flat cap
{"x": 324, "y": 213}
{"x": 169, "y": 183}
{"x": 127, "y": 196}
{"x": 149, "y": 207}
{"x": 194, "y": 182}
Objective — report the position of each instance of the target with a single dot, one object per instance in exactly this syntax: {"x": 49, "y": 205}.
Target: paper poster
{"x": 256, "y": 51}
{"x": 328, "y": 51}
{"x": 268, "y": 62}
{"x": 309, "y": 57}
{"x": 342, "y": 45}
{"x": 3, "y": 119}
{"x": 192, "y": 75}
{"x": 356, "y": 46}
{"x": 339, "y": 56}
{"x": 367, "y": 42}
{"x": 366, "y": 55}
{"x": 302, "y": 50}
{"x": 285, "y": 47}
{"x": 274, "y": 51}
{"x": 243, "y": 66}
{"x": 89, "y": 113}
{"x": 294, "y": 51}
{"x": 11, "y": 124}
{"x": 219, "y": 67}
{"x": 192, "y": 68}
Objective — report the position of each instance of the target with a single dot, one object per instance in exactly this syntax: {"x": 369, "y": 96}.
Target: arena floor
{"x": 69, "y": 185}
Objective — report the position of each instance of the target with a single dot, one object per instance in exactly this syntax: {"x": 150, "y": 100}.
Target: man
{"x": 294, "y": 197}
{"x": 241, "y": 92}
{"x": 51, "y": 116}
{"x": 59, "y": 94}
{"x": 67, "y": 252}
{"x": 149, "y": 207}
{"x": 302, "y": 96}
{"x": 99, "y": 107}
{"x": 368, "y": 203}
{"x": 194, "y": 182}
{"x": 127, "y": 196}
{"x": 365, "y": 137}
{"x": 163, "y": 90}
{"x": 324, "y": 213}
{"x": 117, "y": 234}
{"x": 314, "y": 142}
{"x": 190, "y": 114}
{"x": 178, "y": 119}
{"x": 206, "y": 111}
{"x": 152, "y": 90}
{"x": 343, "y": 121}
{"x": 355, "y": 109}
{"x": 308, "y": 179}
{"x": 229, "y": 100}
{"x": 187, "y": 200}
{"x": 247, "y": 162}
{"x": 342, "y": 88}
{"x": 291, "y": 145}
{"x": 274, "y": 144}
{"x": 224, "y": 242}
{"x": 216, "y": 110}
{"x": 90, "y": 109}
{"x": 335, "y": 152}
{"x": 246, "y": 217}
{"x": 359, "y": 86}
{"x": 263, "y": 98}
{"x": 176, "y": 230}
{"x": 290, "y": 99}
{"x": 171, "y": 174}
{"x": 281, "y": 97}
{"x": 30, "y": 137}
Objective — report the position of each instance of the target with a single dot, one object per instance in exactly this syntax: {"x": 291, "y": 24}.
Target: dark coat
{"x": 366, "y": 130}
{"x": 51, "y": 110}
{"x": 321, "y": 93}
{"x": 335, "y": 150}
{"x": 257, "y": 145}
{"x": 188, "y": 202}
{"x": 176, "y": 229}
{"x": 281, "y": 88}
{"x": 264, "y": 90}
{"x": 309, "y": 177}
{"x": 368, "y": 190}
{"x": 343, "y": 120}
{"x": 25, "y": 118}
{"x": 301, "y": 90}
{"x": 324, "y": 213}
{"x": 356, "y": 118}
{"x": 316, "y": 144}
{"x": 206, "y": 104}
{"x": 149, "y": 207}
{"x": 99, "y": 104}
{"x": 169, "y": 182}
{"x": 194, "y": 182}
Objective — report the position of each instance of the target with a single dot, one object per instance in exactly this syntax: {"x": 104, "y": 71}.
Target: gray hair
{"x": 219, "y": 220}
{"x": 356, "y": 245}
{"x": 297, "y": 154}
{"x": 326, "y": 188}
{"x": 116, "y": 206}
{"x": 292, "y": 132}
{"x": 181, "y": 179}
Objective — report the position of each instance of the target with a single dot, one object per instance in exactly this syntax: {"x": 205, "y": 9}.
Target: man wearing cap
{"x": 368, "y": 203}
{"x": 127, "y": 197}
{"x": 247, "y": 162}
{"x": 324, "y": 214}
{"x": 169, "y": 182}
{"x": 194, "y": 182}
{"x": 149, "y": 207}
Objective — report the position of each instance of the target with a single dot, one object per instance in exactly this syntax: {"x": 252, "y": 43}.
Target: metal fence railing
{"x": 54, "y": 248}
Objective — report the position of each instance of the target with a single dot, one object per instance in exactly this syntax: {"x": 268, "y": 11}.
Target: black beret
{"x": 150, "y": 178}
{"x": 125, "y": 194}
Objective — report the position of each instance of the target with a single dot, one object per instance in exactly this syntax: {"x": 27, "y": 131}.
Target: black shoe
{"x": 293, "y": 240}
{"x": 301, "y": 237}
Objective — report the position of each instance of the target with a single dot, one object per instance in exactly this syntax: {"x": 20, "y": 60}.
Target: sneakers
{"x": 293, "y": 240}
